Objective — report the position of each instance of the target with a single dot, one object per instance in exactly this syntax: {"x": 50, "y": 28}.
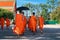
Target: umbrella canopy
{"x": 22, "y": 8}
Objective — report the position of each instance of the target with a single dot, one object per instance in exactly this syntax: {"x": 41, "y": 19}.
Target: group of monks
{"x": 2, "y": 22}
{"x": 21, "y": 22}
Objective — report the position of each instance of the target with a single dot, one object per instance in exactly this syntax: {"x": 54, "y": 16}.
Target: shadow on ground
{"x": 48, "y": 34}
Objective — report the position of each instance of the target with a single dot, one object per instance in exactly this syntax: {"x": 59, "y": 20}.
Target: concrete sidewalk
{"x": 52, "y": 26}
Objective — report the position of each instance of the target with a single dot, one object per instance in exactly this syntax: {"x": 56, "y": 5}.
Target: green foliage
{"x": 44, "y": 9}
{"x": 55, "y": 15}
{"x": 5, "y": 13}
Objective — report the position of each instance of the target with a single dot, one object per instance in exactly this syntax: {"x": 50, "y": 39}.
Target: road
{"x": 50, "y": 32}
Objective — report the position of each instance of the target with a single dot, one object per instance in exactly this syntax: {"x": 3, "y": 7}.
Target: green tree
{"x": 44, "y": 10}
{"x": 6, "y": 13}
{"x": 51, "y": 4}
{"x": 33, "y": 7}
{"x": 55, "y": 15}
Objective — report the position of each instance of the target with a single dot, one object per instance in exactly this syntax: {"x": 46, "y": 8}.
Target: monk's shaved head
{"x": 23, "y": 13}
{"x": 33, "y": 13}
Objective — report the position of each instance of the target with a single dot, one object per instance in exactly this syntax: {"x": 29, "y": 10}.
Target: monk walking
{"x": 2, "y": 23}
{"x": 29, "y": 26}
{"x": 7, "y": 23}
{"x": 32, "y": 23}
{"x": 41, "y": 23}
{"x": 24, "y": 20}
{"x": 19, "y": 26}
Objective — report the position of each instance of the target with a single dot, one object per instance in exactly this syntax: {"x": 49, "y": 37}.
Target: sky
{"x": 19, "y": 3}
{"x": 22, "y": 2}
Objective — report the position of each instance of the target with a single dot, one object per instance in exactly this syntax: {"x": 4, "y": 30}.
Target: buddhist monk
{"x": 24, "y": 20}
{"x": 2, "y": 23}
{"x": 41, "y": 23}
{"x": 19, "y": 26}
{"x": 29, "y": 23}
{"x": 33, "y": 23}
{"x": 7, "y": 22}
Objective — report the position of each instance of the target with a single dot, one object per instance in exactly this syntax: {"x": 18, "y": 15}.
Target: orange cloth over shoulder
{"x": 41, "y": 22}
{"x": 32, "y": 23}
{"x": 29, "y": 23}
{"x": 19, "y": 26}
{"x": 7, "y": 22}
{"x": 25, "y": 20}
{"x": 2, "y": 23}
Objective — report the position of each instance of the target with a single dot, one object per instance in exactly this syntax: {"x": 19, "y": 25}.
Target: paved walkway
{"x": 51, "y": 32}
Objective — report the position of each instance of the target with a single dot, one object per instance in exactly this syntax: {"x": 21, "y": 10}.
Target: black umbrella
{"x": 22, "y": 8}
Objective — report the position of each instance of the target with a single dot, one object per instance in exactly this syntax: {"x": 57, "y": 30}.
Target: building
{"x": 7, "y": 4}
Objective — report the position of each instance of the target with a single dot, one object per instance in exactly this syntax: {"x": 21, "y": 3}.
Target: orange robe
{"x": 19, "y": 26}
{"x": 32, "y": 23}
{"x": 29, "y": 26}
{"x": 2, "y": 23}
{"x": 25, "y": 20}
{"x": 7, "y": 22}
{"x": 41, "y": 23}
